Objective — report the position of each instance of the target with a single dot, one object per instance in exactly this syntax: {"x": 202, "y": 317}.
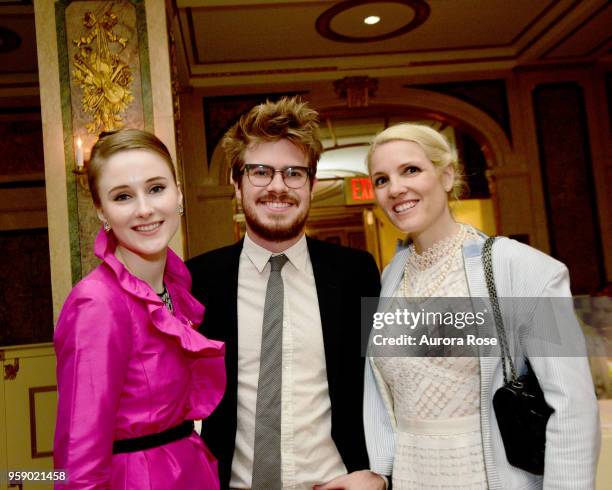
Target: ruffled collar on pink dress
{"x": 207, "y": 356}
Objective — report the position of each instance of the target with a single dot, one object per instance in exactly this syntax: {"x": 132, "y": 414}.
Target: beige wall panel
{"x": 516, "y": 206}
{"x": 211, "y": 219}
{"x": 161, "y": 92}
{"x": 31, "y": 405}
{"x": 194, "y": 157}
{"x": 43, "y": 408}
{"x": 55, "y": 166}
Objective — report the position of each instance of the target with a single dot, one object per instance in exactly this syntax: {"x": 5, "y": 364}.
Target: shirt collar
{"x": 259, "y": 256}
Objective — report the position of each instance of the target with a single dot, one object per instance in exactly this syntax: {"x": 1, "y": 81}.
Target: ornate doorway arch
{"x": 415, "y": 104}
{"x": 514, "y": 185}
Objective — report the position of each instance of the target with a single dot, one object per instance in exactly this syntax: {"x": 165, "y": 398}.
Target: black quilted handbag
{"x": 520, "y": 408}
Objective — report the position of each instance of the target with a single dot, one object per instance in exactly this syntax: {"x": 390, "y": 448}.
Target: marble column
{"x": 121, "y": 46}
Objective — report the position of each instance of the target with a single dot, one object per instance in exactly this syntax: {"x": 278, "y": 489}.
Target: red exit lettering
{"x": 362, "y": 190}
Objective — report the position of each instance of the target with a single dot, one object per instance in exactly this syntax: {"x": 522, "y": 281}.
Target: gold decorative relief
{"x": 356, "y": 90}
{"x": 11, "y": 370}
{"x": 103, "y": 77}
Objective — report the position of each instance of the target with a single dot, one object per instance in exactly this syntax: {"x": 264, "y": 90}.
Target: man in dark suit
{"x": 288, "y": 308}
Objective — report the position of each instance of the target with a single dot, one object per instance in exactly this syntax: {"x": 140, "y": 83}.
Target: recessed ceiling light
{"x": 371, "y": 20}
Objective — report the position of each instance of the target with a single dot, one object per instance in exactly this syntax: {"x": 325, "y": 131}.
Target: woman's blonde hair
{"x": 434, "y": 144}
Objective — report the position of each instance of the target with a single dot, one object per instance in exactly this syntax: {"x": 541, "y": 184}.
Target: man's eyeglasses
{"x": 261, "y": 175}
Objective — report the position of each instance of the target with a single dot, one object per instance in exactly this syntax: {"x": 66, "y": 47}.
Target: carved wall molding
{"x": 104, "y": 77}
{"x": 356, "y": 90}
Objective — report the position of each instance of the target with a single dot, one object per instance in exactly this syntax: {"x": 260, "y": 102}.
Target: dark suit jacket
{"x": 342, "y": 276}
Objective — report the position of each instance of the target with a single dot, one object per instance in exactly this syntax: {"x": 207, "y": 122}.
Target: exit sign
{"x": 358, "y": 190}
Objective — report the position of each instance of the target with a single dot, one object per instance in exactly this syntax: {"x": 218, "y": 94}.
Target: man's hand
{"x": 357, "y": 480}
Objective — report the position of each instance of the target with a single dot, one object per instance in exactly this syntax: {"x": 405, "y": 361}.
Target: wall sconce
{"x": 80, "y": 171}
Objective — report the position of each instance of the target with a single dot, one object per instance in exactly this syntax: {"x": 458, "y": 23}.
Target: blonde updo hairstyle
{"x": 434, "y": 144}
{"x": 111, "y": 143}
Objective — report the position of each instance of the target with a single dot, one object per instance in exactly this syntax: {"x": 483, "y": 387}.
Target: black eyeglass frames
{"x": 261, "y": 175}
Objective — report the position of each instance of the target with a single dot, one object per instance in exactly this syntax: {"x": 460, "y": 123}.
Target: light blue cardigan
{"x": 573, "y": 432}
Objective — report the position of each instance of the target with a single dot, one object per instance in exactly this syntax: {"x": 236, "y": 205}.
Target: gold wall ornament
{"x": 103, "y": 77}
{"x": 11, "y": 370}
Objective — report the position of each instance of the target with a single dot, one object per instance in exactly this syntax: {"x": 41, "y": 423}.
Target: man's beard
{"x": 277, "y": 231}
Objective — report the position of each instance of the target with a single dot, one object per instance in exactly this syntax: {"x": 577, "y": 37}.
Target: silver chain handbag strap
{"x": 487, "y": 262}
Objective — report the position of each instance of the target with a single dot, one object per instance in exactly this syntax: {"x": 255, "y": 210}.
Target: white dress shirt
{"x": 309, "y": 455}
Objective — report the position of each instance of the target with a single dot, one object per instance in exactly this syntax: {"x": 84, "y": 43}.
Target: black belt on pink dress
{"x": 153, "y": 440}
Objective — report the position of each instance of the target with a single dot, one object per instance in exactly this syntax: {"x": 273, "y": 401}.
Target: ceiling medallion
{"x": 9, "y": 40}
{"x": 323, "y": 24}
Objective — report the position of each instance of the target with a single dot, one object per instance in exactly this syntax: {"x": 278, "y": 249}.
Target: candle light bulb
{"x": 79, "y": 156}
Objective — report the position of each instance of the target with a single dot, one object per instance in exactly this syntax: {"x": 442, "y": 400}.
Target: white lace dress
{"x": 436, "y": 400}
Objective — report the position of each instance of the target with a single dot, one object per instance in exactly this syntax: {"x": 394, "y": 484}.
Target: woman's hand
{"x": 357, "y": 480}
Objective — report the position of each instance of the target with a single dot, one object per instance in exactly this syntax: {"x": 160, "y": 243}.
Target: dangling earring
{"x": 106, "y": 226}
{"x": 181, "y": 210}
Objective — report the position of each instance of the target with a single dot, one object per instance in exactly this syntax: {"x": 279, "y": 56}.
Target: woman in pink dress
{"x": 132, "y": 371}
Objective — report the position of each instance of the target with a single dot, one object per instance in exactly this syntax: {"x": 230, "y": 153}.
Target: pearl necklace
{"x": 442, "y": 250}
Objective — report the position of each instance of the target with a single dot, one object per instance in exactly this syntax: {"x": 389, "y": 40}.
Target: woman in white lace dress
{"x": 429, "y": 420}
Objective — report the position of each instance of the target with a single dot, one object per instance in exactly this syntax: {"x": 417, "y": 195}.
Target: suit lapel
{"x": 221, "y": 321}
{"x": 230, "y": 294}
{"x": 330, "y": 297}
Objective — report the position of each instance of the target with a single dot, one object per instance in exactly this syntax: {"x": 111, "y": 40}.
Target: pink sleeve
{"x": 93, "y": 344}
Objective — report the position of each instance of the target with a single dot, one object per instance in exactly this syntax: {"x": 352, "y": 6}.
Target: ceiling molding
{"x": 604, "y": 12}
{"x": 242, "y": 40}
{"x": 324, "y": 27}
{"x": 569, "y": 16}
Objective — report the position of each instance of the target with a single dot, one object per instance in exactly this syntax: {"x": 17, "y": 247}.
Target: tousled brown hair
{"x": 289, "y": 118}
{"x": 112, "y": 143}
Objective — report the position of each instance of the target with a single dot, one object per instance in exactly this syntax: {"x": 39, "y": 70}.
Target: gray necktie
{"x": 267, "y": 453}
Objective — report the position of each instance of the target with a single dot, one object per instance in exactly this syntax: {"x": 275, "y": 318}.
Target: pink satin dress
{"x": 127, "y": 367}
